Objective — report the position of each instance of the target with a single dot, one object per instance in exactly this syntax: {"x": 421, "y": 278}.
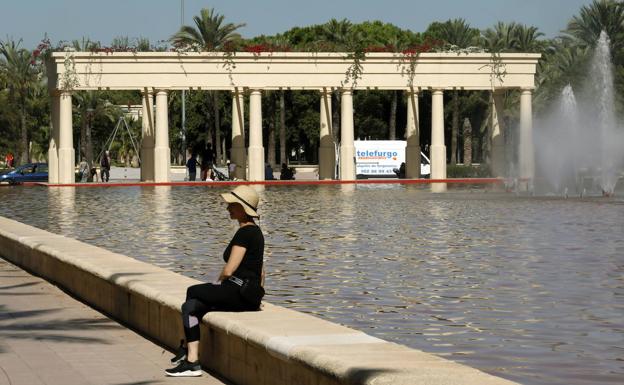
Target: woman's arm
{"x": 262, "y": 277}
{"x": 236, "y": 257}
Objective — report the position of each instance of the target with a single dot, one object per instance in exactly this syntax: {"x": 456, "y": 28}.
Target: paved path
{"x": 47, "y": 337}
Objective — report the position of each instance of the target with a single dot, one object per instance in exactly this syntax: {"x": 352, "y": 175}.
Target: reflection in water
{"x": 528, "y": 288}
{"x": 438, "y": 187}
{"x": 63, "y": 200}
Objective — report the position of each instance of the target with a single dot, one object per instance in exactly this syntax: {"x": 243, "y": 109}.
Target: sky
{"x": 103, "y": 20}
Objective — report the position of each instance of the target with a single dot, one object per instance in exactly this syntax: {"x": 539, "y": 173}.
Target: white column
{"x": 327, "y": 149}
{"x": 66, "y": 155}
{"x": 53, "y": 165}
{"x": 412, "y": 151}
{"x": 237, "y": 152}
{"x": 256, "y": 150}
{"x": 526, "y": 155}
{"x": 147, "y": 137}
{"x": 497, "y": 159}
{"x": 347, "y": 147}
{"x": 438, "y": 149}
{"x": 161, "y": 146}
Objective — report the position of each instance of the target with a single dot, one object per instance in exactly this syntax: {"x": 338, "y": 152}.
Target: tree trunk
{"x": 336, "y": 116}
{"x": 273, "y": 118}
{"x": 89, "y": 145}
{"x": 467, "y": 142}
{"x": 24, "y": 150}
{"x": 223, "y": 151}
{"x": 82, "y": 151}
{"x": 209, "y": 127}
{"x": 455, "y": 127}
{"x": 271, "y": 143}
{"x": 217, "y": 123}
{"x": 393, "y": 113}
{"x": 282, "y": 134}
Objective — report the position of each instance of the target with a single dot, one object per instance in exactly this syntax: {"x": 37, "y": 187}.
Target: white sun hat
{"x": 246, "y": 196}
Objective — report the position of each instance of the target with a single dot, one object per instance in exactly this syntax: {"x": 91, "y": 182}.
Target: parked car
{"x": 31, "y": 172}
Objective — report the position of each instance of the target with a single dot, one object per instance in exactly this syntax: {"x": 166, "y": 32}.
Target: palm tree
{"x": 501, "y": 38}
{"x": 526, "y": 39}
{"x": 209, "y": 34}
{"x": 563, "y": 63}
{"x": 20, "y": 76}
{"x": 337, "y": 34}
{"x": 456, "y": 32}
{"x": 121, "y": 43}
{"x": 607, "y": 15}
{"x": 143, "y": 44}
{"x": 85, "y": 44}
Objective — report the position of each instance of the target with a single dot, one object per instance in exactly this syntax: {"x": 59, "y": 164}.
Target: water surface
{"x": 527, "y": 288}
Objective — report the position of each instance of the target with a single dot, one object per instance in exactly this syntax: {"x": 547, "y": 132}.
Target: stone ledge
{"x": 272, "y": 346}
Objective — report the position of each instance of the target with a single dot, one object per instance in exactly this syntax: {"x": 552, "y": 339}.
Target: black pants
{"x": 104, "y": 171}
{"x": 200, "y": 299}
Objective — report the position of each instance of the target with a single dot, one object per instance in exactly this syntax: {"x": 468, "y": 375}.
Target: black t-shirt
{"x": 250, "y": 237}
{"x": 192, "y": 164}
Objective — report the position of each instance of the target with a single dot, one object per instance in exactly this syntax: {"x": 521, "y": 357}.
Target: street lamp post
{"x": 183, "y": 133}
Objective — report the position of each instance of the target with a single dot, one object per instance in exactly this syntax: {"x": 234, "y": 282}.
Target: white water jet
{"x": 581, "y": 137}
{"x": 608, "y": 135}
{"x": 559, "y": 136}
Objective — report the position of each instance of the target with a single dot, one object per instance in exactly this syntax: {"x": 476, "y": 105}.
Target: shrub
{"x": 462, "y": 171}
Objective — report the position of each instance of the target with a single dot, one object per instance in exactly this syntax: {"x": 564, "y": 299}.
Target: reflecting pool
{"x": 527, "y": 288}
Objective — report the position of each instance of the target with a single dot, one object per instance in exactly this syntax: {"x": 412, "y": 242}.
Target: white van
{"x": 379, "y": 158}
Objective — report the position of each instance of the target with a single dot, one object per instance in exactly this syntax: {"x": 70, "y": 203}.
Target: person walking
{"x": 239, "y": 287}
{"x": 191, "y": 164}
{"x": 83, "y": 170}
{"x": 9, "y": 160}
{"x": 105, "y": 166}
{"x": 206, "y": 163}
{"x": 268, "y": 172}
{"x": 231, "y": 168}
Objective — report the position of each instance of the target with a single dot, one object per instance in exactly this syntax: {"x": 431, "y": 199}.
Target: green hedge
{"x": 461, "y": 171}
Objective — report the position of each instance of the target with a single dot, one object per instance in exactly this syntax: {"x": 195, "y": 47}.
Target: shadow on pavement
{"x": 16, "y": 325}
{"x": 25, "y": 284}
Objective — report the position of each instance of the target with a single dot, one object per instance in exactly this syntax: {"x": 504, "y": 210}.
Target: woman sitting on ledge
{"x": 239, "y": 286}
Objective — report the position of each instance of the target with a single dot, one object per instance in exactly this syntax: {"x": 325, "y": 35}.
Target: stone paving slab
{"x": 49, "y": 338}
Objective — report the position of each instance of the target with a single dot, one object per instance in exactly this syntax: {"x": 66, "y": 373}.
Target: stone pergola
{"x": 157, "y": 73}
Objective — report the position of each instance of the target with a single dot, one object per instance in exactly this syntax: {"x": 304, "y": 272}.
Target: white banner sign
{"x": 379, "y": 157}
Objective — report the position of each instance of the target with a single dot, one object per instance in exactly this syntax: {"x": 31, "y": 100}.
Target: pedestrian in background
{"x": 9, "y": 160}
{"x": 83, "y": 170}
{"x": 206, "y": 162}
{"x": 105, "y": 166}
{"x": 191, "y": 165}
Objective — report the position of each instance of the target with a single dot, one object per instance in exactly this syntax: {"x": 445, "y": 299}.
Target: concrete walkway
{"x": 47, "y": 337}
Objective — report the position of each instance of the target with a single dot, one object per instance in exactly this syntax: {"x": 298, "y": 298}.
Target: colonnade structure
{"x": 157, "y": 73}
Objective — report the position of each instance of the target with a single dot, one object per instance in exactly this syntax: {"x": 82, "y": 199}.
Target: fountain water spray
{"x": 609, "y": 137}
{"x": 581, "y": 136}
{"x": 560, "y": 143}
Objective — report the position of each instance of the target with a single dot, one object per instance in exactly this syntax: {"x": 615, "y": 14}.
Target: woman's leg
{"x": 192, "y": 354}
{"x": 192, "y": 312}
{"x": 199, "y": 300}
